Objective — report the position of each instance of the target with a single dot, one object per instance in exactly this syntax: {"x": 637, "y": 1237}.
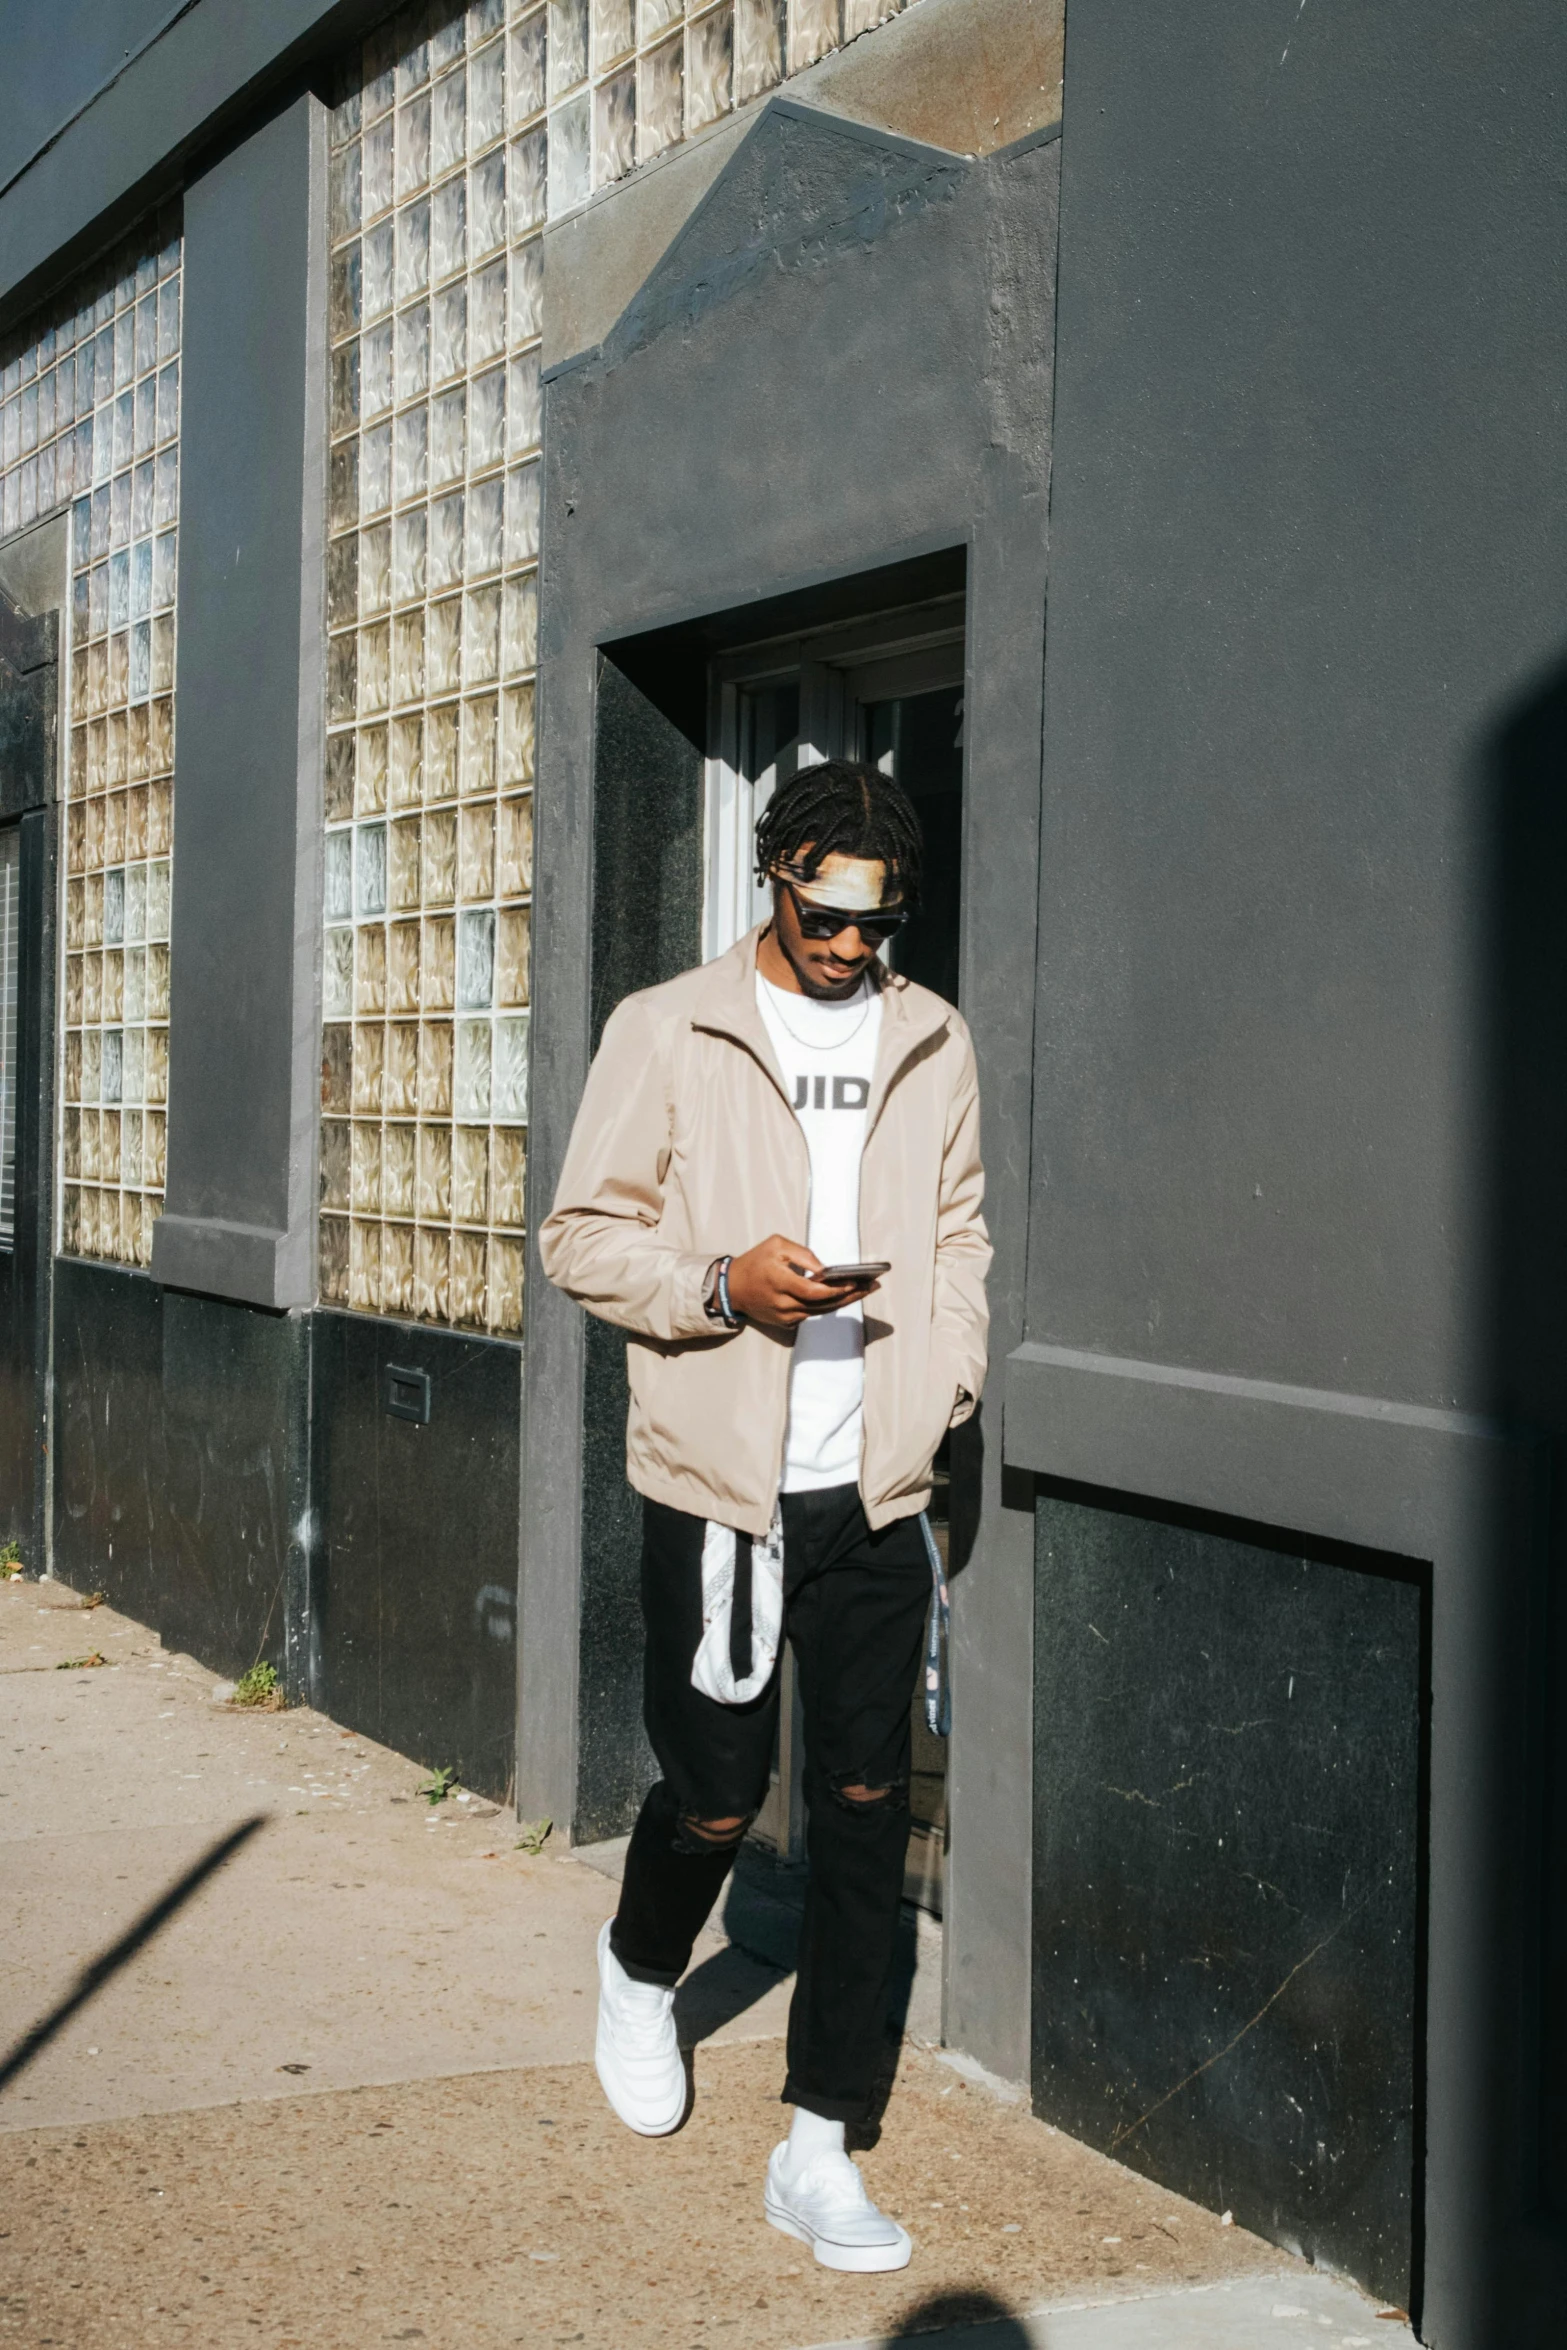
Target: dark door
{"x": 919, "y": 739}
{"x": 29, "y": 681}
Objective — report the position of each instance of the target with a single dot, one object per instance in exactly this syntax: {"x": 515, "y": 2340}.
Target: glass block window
{"x": 627, "y": 78}
{"x": 592, "y": 87}
{"x": 432, "y": 600}
{"x": 460, "y": 128}
{"x": 90, "y": 417}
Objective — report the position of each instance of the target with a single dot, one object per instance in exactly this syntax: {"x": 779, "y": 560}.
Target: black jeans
{"x": 854, "y": 1613}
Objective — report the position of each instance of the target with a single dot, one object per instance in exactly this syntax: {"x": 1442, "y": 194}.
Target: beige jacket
{"x": 685, "y": 1148}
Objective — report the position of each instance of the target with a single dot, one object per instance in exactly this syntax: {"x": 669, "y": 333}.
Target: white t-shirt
{"x": 827, "y": 1053}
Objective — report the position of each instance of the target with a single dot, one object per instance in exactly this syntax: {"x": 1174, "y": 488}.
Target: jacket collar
{"x": 726, "y": 1005}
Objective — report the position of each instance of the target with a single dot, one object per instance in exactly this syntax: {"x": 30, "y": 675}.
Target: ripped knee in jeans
{"x": 711, "y": 1836}
{"x": 856, "y": 1796}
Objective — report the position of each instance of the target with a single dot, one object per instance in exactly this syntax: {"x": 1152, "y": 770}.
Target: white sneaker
{"x": 637, "y": 2056}
{"x": 826, "y": 2206}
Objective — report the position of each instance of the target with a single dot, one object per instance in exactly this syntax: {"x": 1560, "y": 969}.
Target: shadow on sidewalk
{"x": 957, "y": 2319}
{"x": 763, "y": 1904}
{"x": 720, "y": 1989}
{"x": 92, "y": 1978}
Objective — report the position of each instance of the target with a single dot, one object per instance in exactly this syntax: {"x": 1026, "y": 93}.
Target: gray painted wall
{"x": 244, "y": 1019}
{"x": 59, "y": 57}
{"x": 1308, "y": 549}
{"x": 843, "y": 360}
{"x": 187, "y": 88}
{"x": 1298, "y": 1135}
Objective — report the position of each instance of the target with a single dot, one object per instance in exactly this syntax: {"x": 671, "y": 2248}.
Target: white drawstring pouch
{"x": 714, "y": 1670}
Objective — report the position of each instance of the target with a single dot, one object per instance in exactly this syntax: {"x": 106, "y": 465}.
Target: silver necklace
{"x": 810, "y": 1045}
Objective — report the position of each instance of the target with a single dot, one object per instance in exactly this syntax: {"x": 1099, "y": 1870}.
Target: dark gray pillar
{"x": 244, "y": 1016}
{"x": 1296, "y": 1252}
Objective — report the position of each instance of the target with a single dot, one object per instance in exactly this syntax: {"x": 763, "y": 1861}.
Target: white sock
{"x": 812, "y": 2136}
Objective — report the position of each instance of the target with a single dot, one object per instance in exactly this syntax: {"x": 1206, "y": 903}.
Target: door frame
{"x": 916, "y": 649}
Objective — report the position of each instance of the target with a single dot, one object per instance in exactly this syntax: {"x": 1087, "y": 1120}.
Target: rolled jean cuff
{"x": 659, "y": 1976}
{"x": 830, "y": 2109}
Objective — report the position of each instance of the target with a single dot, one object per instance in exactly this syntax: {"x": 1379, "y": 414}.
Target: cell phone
{"x": 851, "y": 1272}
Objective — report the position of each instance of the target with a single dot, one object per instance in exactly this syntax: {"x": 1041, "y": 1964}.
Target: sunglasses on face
{"x": 823, "y": 922}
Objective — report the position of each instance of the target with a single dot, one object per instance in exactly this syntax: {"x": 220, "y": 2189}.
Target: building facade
{"x": 453, "y": 462}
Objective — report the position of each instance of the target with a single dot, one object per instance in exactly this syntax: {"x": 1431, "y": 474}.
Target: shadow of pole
{"x": 92, "y": 1978}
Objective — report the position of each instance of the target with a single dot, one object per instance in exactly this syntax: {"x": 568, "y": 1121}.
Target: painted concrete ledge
{"x": 1251, "y": 2313}
{"x": 1350, "y": 1468}
{"x": 256, "y": 1264}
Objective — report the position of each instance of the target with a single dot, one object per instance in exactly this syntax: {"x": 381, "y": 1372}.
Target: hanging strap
{"x": 740, "y": 1655}
{"x": 938, "y": 1690}
{"x": 742, "y": 1613}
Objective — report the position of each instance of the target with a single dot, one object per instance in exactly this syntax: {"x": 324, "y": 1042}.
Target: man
{"x": 773, "y": 1186}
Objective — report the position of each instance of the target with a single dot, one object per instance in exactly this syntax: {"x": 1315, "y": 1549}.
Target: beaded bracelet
{"x": 727, "y": 1314}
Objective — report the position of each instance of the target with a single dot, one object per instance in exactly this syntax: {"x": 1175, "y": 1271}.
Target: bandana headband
{"x": 852, "y": 886}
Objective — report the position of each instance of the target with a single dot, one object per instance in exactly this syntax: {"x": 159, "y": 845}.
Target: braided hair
{"x": 843, "y": 809}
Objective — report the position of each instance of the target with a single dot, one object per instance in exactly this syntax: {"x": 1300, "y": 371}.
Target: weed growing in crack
{"x": 261, "y": 1688}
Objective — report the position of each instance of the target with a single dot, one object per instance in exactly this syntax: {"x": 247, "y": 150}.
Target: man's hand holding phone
{"x": 780, "y": 1282}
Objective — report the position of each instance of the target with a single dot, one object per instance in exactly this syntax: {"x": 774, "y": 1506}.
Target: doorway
{"x": 888, "y": 689}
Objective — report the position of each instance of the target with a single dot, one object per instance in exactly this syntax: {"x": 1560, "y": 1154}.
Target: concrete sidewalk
{"x": 345, "y": 2096}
